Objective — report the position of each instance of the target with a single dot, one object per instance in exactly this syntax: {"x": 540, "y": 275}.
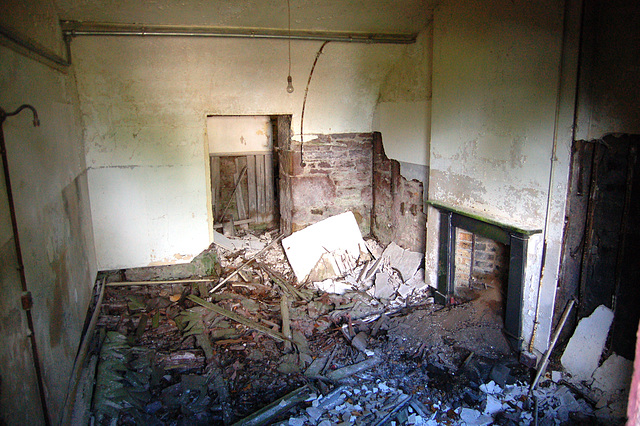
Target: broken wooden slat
{"x": 378, "y": 324}
{"x": 269, "y": 187}
{"x": 235, "y": 188}
{"x": 152, "y": 282}
{"x": 260, "y": 190}
{"x": 350, "y": 370}
{"x": 316, "y": 366}
{"x": 241, "y": 164}
{"x": 251, "y": 183}
{"x": 238, "y": 318}
{"x": 277, "y": 407}
{"x": 286, "y": 322}
{"x": 398, "y": 405}
{"x": 278, "y": 279}
{"x": 251, "y": 259}
{"x": 182, "y": 360}
{"x": 236, "y": 222}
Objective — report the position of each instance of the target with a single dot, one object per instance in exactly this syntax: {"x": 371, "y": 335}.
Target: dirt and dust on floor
{"x": 319, "y": 328}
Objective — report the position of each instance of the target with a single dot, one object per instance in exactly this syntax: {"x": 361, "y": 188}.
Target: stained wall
{"x": 50, "y": 189}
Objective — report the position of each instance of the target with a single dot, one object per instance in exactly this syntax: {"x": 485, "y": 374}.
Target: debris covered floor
{"x": 264, "y": 349}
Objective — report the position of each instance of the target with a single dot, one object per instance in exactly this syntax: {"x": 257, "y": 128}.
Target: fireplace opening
{"x": 481, "y": 270}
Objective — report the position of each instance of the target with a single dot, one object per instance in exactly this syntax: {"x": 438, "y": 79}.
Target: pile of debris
{"x": 325, "y": 328}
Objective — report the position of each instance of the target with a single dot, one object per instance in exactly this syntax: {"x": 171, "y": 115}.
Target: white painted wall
{"x": 405, "y": 130}
{"x": 238, "y": 134}
{"x": 403, "y": 110}
{"x": 145, "y": 102}
{"x": 49, "y": 181}
{"x": 495, "y": 92}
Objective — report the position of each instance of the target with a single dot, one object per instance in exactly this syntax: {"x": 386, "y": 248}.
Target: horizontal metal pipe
{"x": 76, "y": 29}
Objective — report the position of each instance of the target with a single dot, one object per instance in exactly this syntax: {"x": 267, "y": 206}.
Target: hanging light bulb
{"x": 289, "y": 84}
{"x": 289, "y": 79}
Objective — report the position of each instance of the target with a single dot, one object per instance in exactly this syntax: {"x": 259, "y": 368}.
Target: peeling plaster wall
{"x": 496, "y": 85}
{"x": 50, "y": 189}
{"x": 494, "y": 93}
{"x": 145, "y": 101}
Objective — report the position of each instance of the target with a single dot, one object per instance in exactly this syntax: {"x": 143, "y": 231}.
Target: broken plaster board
{"x": 304, "y": 248}
{"x": 404, "y": 261}
{"x": 232, "y": 244}
{"x": 383, "y": 288}
{"x": 582, "y": 355}
{"x": 614, "y": 374}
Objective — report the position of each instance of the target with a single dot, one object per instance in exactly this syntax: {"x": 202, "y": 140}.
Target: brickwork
{"x": 337, "y": 177}
{"x": 489, "y": 258}
{"x": 397, "y": 203}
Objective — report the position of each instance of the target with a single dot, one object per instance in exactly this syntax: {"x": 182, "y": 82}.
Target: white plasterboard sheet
{"x": 404, "y": 261}
{"x": 337, "y": 233}
{"x": 613, "y": 375}
{"x": 582, "y": 355}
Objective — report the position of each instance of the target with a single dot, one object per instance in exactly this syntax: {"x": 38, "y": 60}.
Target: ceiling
{"x": 368, "y": 16}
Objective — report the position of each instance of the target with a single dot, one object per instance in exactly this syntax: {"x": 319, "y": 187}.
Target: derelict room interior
{"x": 299, "y": 212}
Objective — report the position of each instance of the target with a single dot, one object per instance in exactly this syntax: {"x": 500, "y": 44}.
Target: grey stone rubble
{"x": 369, "y": 403}
{"x": 382, "y": 280}
{"x": 387, "y": 362}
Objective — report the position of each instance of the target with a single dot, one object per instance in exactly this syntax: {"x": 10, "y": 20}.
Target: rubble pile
{"x": 353, "y": 337}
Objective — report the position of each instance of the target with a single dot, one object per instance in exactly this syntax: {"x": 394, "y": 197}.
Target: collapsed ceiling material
{"x": 267, "y": 348}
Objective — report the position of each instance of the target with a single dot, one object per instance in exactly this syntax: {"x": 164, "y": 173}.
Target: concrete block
{"x": 582, "y": 355}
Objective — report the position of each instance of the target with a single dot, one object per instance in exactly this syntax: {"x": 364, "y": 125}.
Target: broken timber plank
{"x": 151, "y": 282}
{"x": 398, "y": 405}
{"x": 240, "y": 205}
{"x": 251, "y": 183}
{"x": 286, "y": 321}
{"x": 236, "y": 222}
{"x": 269, "y": 187}
{"x": 260, "y": 190}
{"x": 350, "y": 370}
{"x": 277, "y": 407}
{"x": 278, "y": 279}
{"x": 221, "y": 283}
{"x": 239, "y": 318}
